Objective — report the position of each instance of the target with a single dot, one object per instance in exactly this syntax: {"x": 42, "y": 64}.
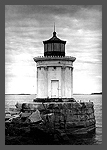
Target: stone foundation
{"x": 66, "y": 115}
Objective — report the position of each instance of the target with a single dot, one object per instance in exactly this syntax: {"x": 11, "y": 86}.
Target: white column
{"x": 71, "y": 81}
{"x": 37, "y": 82}
{"x": 46, "y": 71}
{"x": 63, "y": 81}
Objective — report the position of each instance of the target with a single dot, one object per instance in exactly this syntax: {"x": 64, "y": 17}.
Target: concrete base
{"x": 54, "y": 100}
{"x": 65, "y": 114}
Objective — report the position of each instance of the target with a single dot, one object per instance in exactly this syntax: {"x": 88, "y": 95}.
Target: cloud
{"x": 81, "y": 16}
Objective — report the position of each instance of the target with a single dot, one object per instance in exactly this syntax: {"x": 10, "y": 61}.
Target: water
{"x": 95, "y": 139}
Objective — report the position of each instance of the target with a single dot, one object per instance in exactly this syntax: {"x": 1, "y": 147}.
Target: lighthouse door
{"x": 54, "y": 88}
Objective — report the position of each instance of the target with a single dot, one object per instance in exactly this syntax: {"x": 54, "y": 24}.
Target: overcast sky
{"x": 27, "y": 26}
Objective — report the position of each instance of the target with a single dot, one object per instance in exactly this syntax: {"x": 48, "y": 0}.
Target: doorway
{"x": 54, "y": 88}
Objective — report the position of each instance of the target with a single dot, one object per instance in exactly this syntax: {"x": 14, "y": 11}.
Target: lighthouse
{"x": 54, "y": 70}
{"x": 58, "y": 108}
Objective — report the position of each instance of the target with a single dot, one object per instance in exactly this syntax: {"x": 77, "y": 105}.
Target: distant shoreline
{"x": 18, "y": 94}
{"x": 73, "y": 94}
{"x": 96, "y": 93}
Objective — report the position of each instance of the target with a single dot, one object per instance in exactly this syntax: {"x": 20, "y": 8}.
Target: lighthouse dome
{"x": 54, "y": 46}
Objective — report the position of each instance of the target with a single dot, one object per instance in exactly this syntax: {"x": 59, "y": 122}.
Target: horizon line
{"x": 36, "y": 94}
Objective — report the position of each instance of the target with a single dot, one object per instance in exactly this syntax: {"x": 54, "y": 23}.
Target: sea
{"x": 94, "y": 139}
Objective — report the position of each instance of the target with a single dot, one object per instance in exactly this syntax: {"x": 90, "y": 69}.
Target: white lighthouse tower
{"x": 55, "y": 92}
{"x": 54, "y": 70}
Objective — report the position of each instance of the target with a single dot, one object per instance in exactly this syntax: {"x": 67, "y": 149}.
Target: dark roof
{"x": 54, "y": 39}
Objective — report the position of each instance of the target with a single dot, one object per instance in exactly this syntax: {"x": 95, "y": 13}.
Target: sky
{"x": 27, "y": 26}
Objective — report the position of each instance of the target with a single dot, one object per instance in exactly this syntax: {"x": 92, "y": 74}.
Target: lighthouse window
{"x": 52, "y": 46}
{"x": 45, "y": 47}
{"x": 56, "y": 46}
{"x": 49, "y": 46}
{"x": 54, "y": 67}
{"x": 62, "y": 47}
